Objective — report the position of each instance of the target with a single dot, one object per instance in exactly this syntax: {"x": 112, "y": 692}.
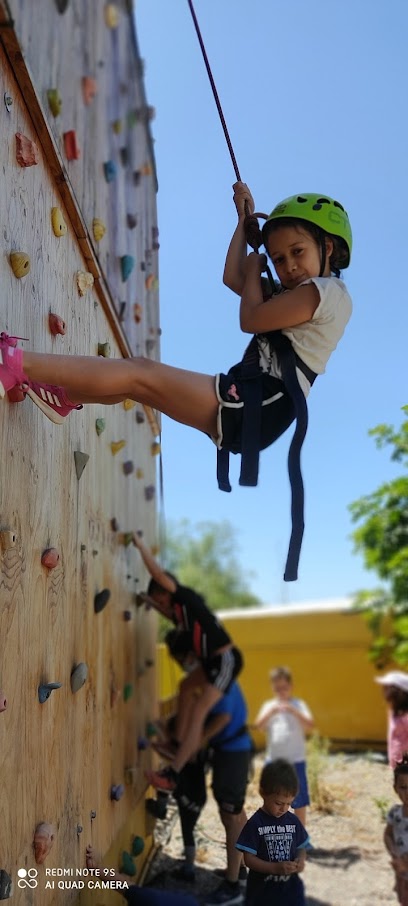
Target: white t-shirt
{"x": 285, "y": 734}
{"x": 315, "y": 340}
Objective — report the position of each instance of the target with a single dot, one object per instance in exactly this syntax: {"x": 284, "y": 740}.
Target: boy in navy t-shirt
{"x": 273, "y": 841}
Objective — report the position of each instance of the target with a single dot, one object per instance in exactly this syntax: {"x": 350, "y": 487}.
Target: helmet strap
{"x": 323, "y": 255}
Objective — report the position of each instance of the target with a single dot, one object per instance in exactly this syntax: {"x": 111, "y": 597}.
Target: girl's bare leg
{"x": 186, "y": 396}
{"x": 190, "y": 744}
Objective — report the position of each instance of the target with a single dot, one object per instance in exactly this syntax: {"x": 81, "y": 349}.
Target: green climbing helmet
{"x": 321, "y": 210}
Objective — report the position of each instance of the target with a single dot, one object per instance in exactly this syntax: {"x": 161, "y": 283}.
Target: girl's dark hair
{"x": 154, "y": 586}
{"x": 398, "y": 699}
{"x": 278, "y": 776}
{"x": 339, "y": 257}
{"x": 401, "y": 767}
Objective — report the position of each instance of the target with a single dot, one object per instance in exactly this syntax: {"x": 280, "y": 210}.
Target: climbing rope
{"x": 253, "y": 234}
{"x": 250, "y": 452}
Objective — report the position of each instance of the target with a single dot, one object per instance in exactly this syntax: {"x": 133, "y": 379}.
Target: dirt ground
{"x": 348, "y": 865}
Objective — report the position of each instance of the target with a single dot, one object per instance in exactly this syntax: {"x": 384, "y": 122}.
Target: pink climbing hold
{"x": 56, "y": 324}
{"x": 50, "y": 558}
{"x": 27, "y": 152}
{"x": 3, "y": 702}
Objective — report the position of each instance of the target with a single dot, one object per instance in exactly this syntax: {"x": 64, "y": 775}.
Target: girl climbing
{"x": 296, "y": 328}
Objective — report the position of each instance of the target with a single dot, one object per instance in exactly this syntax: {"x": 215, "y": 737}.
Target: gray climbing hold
{"x": 45, "y": 689}
{"x": 81, "y": 460}
{"x": 5, "y": 885}
{"x": 79, "y": 675}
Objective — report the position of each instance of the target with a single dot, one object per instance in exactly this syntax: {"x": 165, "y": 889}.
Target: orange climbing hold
{"x": 43, "y": 840}
{"x": 27, "y": 152}
{"x": 89, "y": 89}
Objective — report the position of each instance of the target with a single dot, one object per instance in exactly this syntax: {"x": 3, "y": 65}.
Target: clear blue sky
{"x": 315, "y": 99}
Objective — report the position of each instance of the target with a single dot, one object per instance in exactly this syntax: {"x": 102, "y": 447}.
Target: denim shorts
{"x": 302, "y": 799}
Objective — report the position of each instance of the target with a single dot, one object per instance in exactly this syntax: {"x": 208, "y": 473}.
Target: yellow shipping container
{"x": 325, "y": 644}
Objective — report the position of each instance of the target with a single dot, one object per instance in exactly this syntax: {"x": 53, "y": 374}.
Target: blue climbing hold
{"x": 127, "y": 263}
{"x": 110, "y": 170}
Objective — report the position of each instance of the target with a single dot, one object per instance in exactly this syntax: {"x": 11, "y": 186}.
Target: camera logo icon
{"x": 27, "y": 878}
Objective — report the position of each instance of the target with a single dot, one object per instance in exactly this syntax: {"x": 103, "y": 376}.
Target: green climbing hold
{"x": 128, "y": 866}
{"x": 137, "y": 846}
{"x": 127, "y": 692}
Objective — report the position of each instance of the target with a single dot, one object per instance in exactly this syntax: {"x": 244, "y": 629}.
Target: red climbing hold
{"x": 71, "y": 148}
{"x": 56, "y": 324}
{"x": 50, "y": 558}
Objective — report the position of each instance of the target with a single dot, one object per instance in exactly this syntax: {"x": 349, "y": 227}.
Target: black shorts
{"x": 229, "y": 779}
{"x": 222, "y": 669}
{"x": 278, "y": 411}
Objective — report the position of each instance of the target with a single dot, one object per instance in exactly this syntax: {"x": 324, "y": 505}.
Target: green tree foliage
{"x": 205, "y": 556}
{"x": 382, "y": 538}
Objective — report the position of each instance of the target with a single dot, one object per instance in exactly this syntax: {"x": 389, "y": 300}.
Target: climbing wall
{"x": 78, "y": 274}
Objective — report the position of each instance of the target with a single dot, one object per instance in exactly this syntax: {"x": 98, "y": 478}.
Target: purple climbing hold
{"x": 117, "y": 791}
{"x": 128, "y": 467}
{"x": 149, "y": 492}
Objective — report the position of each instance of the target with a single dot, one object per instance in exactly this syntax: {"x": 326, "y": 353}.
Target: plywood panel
{"x": 59, "y": 759}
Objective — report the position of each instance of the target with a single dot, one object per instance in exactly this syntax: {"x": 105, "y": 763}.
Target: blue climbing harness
{"x": 251, "y": 375}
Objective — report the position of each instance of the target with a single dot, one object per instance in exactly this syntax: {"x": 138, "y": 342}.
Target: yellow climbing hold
{"x": 111, "y": 15}
{"x": 117, "y": 126}
{"x": 84, "y": 281}
{"x": 139, "y": 473}
{"x": 54, "y": 101}
{"x": 20, "y": 264}
{"x": 117, "y": 445}
{"x": 128, "y": 404}
{"x": 155, "y": 448}
{"x": 98, "y": 229}
{"x": 58, "y": 223}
